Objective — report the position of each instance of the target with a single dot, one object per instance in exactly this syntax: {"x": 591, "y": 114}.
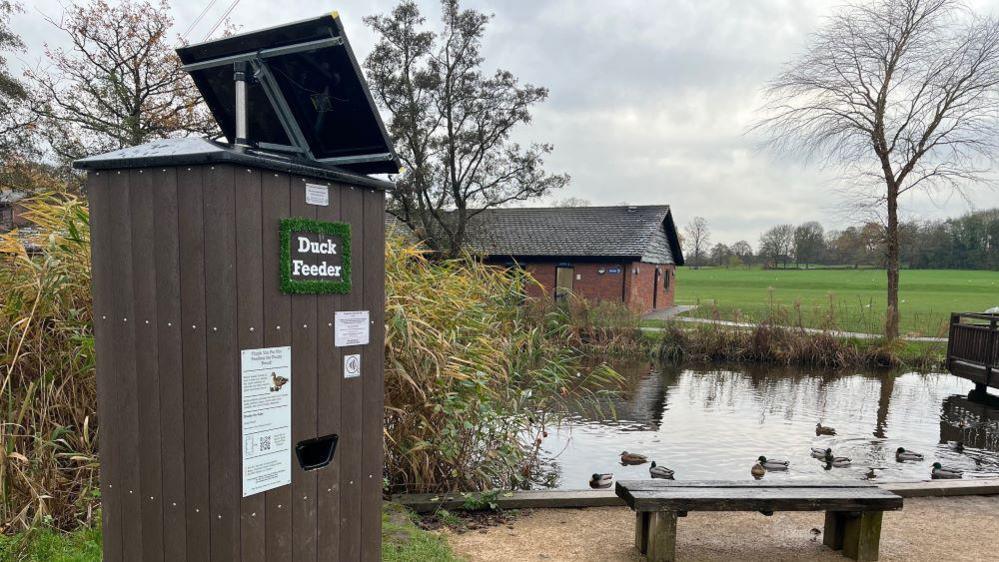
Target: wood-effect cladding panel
{"x": 186, "y": 274}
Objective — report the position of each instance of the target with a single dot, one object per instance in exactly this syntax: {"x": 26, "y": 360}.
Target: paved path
{"x": 930, "y": 529}
{"x": 666, "y": 315}
{"x": 669, "y": 313}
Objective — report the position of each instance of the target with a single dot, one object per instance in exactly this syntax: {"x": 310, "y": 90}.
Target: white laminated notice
{"x": 352, "y": 328}
{"x": 266, "y": 436}
{"x": 317, "y": 195}
{"x": 351, "y": 366}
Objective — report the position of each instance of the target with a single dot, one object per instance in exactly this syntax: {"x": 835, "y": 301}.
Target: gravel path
{"x": 926, "y": 529}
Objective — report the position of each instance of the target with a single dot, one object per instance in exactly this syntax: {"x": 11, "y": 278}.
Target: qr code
{"x": 265, "y": 443}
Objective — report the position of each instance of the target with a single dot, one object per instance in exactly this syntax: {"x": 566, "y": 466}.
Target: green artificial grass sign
{"x": 315, "y": 257}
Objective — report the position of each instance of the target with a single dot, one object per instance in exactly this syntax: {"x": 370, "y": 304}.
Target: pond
{"x": 712, "y": 423}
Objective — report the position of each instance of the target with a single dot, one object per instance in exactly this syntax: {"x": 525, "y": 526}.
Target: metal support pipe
{"x": 239, "y": 77}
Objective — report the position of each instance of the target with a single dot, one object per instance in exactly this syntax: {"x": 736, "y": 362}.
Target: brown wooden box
{"x": 185, "y": 275}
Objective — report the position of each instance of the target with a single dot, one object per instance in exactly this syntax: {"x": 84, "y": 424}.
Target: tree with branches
{"x": 119, "y": 83}
{"x": 697, "y": 237}
{"x": 904, "y": 94}
{"x": 451, "y": 123}
{"x": 14, "y": 116}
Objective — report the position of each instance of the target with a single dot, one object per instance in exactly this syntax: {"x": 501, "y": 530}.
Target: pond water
{"x": 713, "y": 423}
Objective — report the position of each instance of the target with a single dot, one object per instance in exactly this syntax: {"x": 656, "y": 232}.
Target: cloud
{"x": 650, "y": 100}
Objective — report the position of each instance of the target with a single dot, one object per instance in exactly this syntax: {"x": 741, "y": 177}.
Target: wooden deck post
{"x": 862, "y": 535}
{"x": 832, "y": 533}
{"x": 662, "y": 536}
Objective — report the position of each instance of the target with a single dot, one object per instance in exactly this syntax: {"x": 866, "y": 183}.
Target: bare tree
{"x": 901, "y": 92}
{"x": 776, "y": 244}
{"x": 14, "y": 117}
{"x": 452, "y": 122}
{"x": 118, "y": 84}
{"x": 744, "y": 251}
{"x": 697, "y": 236}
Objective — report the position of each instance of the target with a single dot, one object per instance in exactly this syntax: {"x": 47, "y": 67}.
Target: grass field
{"x": 845, "y": 299}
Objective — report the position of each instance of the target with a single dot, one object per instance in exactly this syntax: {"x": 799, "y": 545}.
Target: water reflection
{"x": 712, "y": 423}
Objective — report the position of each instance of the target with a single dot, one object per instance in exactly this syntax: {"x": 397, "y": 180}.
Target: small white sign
{"x": 352, "y": 328}
{"x": 316, "y": 194}
{"x": 266, "y": 416}
{"x": 351, "y": 366}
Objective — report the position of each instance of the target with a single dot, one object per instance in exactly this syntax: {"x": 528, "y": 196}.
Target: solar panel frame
{"x": 283, "y": 123}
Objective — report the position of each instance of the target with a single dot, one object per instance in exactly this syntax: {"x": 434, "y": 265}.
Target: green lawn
{"x": 846, "y": 299}
{"x": 402, "y": 541}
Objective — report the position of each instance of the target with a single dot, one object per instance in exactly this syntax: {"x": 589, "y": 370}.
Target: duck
{"x": 941, "y": 472}
{"x": 601, "y": 480}
{"x": 660, "y": 472}
{"x": 633, "y": 458}
{"x": 773, "y": 464}
{"x": 820, "y": 453}
{"x": 956, "y": 445}
{"x": 277, "y": 382}
{"x": 837, "y": 461}
{"x": 871, "y": 475}
{"x": 824, "y": 429}
{"x": 758, "y": 471}
{"x": 902, "y": 455}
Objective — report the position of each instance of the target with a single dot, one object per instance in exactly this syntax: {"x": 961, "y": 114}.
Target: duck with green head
{"x": 940, "y": 472}
{"x": 601, "y": 480}
{"x": 836, "y": 461}
{"x": 773, "y": 464}
{"x": 657, "y": 471}
{"x": 902, "y": 455}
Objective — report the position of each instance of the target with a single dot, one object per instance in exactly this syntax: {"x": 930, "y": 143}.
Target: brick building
{"x": 624, "y": 253}
{"x": 10, "y": 210}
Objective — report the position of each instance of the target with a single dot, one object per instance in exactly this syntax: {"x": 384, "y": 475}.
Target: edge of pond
{"x": 547, "y": 499}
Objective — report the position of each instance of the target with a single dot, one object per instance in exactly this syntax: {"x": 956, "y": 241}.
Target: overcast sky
{"x": 650, "y": 100}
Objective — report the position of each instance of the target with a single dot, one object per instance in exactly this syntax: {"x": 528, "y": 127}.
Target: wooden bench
{"x": 853, "y": 509}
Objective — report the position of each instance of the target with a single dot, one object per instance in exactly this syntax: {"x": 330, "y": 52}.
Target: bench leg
{"x": 832, "y": 533}
{"x": 642, "y": 531}
{"x": 862, "y": 536}
{"x": 662, "y": 536}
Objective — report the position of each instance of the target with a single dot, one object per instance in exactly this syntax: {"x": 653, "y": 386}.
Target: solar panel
{"x": 305, "y": 94}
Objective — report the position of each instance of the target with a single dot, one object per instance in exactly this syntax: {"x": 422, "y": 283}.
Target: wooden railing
{"x": 974, "y": 342}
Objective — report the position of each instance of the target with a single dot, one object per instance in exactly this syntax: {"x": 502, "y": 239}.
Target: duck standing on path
{"x": 660, "y": 472}
{"x": 758, "y": 471}
{"x": 773, "y": 464}
{"x": 940, "y": 472}
{"x": 633, "y": 458}
{"x": 824, "y": 429}
{"x": 902, "y": 455}
{"x": 598, "y": 480}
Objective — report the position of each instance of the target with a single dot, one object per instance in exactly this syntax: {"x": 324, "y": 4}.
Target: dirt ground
{"x": 936, "y": 529}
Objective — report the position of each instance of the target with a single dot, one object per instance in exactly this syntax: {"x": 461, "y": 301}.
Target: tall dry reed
{"x": 473, "y": 378}
{"x": 48, "y": 438}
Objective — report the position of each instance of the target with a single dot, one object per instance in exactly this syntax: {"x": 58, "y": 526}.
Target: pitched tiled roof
{"x": 621, "y": 231}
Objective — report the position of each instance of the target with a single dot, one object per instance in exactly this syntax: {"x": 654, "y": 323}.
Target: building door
{"x": 563, "y": 281}
{"x": 655, "y": 289}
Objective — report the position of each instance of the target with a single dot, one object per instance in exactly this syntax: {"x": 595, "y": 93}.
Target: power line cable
{"x": 197, "y": 20}
{"x": 222, "y": 19}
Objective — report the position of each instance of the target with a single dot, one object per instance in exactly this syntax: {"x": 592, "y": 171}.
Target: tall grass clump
{"x": 766, "y": 343}
{"x": 48, "y": 440}
{"x": 473, "y": 378}
{"x": 607, "y": 327}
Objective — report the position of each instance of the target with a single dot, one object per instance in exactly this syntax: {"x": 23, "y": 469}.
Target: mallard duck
{"x": 633, "y": 458}
{"x": 820, "y": 453}
{"x": 837, "y": 461}
{"x": 277, "y": 382}
{"x": 824, "y": 429}
{"x": 941, "y": 472}
{"x": 871, "y": 475}
{"x": 660, "y": 472}
{"x": 773, "y": 464}
{"x": 956, "y": 445}
{"x": 601, "y": 480}
{"x": 758, "y": 471}
{"x": 902, "y": 455}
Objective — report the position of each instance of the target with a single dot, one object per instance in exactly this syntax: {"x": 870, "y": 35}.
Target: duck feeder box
{"x": 239, "y": 313}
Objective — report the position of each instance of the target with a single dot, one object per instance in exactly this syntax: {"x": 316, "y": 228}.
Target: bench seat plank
{"x": 765, "y": 499}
